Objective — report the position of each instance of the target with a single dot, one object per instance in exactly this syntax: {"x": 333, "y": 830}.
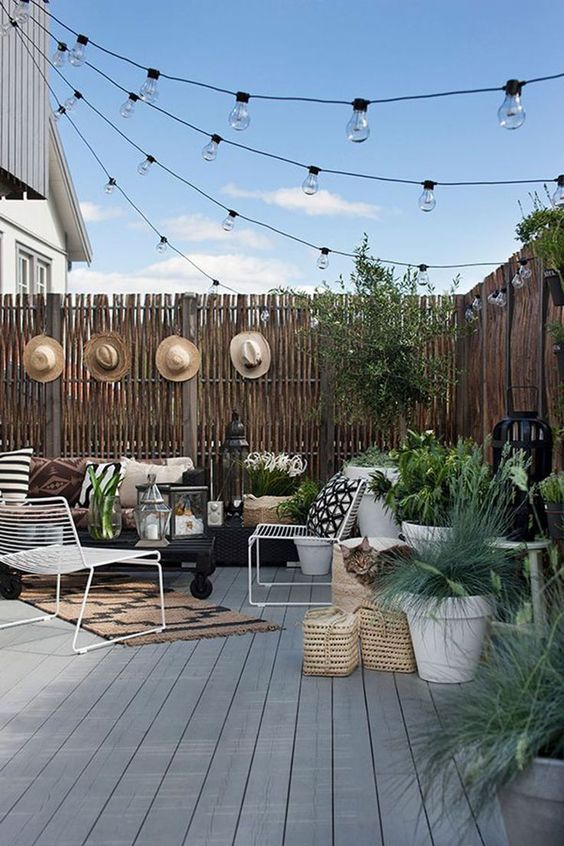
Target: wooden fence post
{"x": 190, "y": 388}
{"x": 54, "y": 390}
{"x": 326, "y": 424}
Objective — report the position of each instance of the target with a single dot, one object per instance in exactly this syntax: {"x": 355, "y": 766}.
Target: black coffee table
{"x": 200, "y": 550}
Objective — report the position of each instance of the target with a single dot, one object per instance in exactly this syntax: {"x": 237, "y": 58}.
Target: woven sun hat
{"x": 178, "y": 359}
{"x": 250, "y": 354}
{"x": 44, "y": 358}
{"x": 107, "y": 357}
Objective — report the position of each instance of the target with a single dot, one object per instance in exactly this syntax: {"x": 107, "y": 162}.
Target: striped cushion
{"x": 14, "y": 472}
{"x": 104, "y": 472}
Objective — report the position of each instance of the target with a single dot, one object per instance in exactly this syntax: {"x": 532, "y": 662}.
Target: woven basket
{"x": 330, "y": 642}
{"x": 262, "y": 509}
{"x": 385, "y": 640}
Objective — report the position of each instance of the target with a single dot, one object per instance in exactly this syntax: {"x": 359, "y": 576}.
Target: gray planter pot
{"x": 533, "y": 805}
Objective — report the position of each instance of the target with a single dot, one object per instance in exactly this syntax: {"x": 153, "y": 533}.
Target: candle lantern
{"x": 152, "y": 516}
{"x": 526, "y": 431}
{"x": 234, "y": 450}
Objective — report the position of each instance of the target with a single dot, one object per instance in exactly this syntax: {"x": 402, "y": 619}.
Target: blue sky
{"x": 330, "y": 48}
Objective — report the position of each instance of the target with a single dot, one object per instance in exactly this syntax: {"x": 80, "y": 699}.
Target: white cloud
{"x": 294, "y": 199}
{"x": 246, "y": 274}
{"x": 198, "y": 227}
{"x": 93, "y": 213}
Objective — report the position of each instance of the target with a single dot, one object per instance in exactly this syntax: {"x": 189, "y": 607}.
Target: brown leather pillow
{"x": 57, "y": 477}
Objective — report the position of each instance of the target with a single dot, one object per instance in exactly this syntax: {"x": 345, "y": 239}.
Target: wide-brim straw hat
{"x": 177, "y": 358}
{"x": 44, "y": 358}
{"x": 250, "y": 354}
{"x": 107, "y": 357}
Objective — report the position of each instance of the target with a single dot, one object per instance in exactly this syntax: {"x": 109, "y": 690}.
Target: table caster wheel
{"x": 201, "y": 587}
{"x": 10, "y": 587}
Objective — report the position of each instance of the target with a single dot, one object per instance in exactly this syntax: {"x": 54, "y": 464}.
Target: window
{"x": 33, "y": 272}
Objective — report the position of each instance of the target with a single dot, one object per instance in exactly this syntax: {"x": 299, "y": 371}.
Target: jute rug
{"x": 119, "y": 605}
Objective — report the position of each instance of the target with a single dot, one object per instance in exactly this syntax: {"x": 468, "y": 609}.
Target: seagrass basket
{"x": 385, "y": 640}
{"x": 330, "y": 642}
{"x": 262, "y": 509}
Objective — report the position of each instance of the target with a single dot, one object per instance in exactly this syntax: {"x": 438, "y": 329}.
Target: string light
{"x": 523, "y": 274}
{"x": 209, "y": 152}
{"x": 212, "y": 290}
{"x": 21, "y": 11}
{"x": 127, "y": 109}
{"x": 323, "y": 260}
{"x": 162, "y": 245}
{"x": 469, "y": 314}
{"x": 149, "y": 91}
{"x": 498, "y": 298}
{"x": 239, "y": 117}
{"x": 264, "y": 316}
{"x": 477, "y": 304}
{"x": 229, "y": 221}
{"x": 59, "y": 55}
{"x": 422, "y": 275}
{"x": 77, "y": 56}
{"x": 427, "y": 201}
{"x": 357, "y": 127}
{"x": 143, "y": 167}
{"x": 110, "y": 185}
{"x": 71, "y": 102}
{"x": 558, "y": 196}
{"x": 511, "y": 114}
{"x": 310, "y": 185}
{"x": 57, "y": 115}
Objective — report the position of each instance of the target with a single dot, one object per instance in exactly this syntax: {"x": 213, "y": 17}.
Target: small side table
{"x": 532, "y": 550}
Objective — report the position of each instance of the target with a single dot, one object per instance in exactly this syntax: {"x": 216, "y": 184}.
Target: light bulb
{"x": 357, "y": 127}
{"x": 427, "y": 201}
{"x": 6, "y": 28}
{"x": 469, "y": 314}
{"x": 209, "y": 152}
{"x": 71, "y": 102}
{"x": 149, "y": 91}
{"x": 323, "y": 260}
{"x": 264, "y": 316}
{"x": 239, "y": 117}
{"x": 59, "y": 55}
{"x": 143, "y": 167}
{"x": 212, "y": 290}
{"x": 77, "y": 55}
{"x": 229, "y": 221}
{"x": 558, "y": 196}
{"x": 511, "y": 114}
{"x": 314, "y": 322}
{"x": 422, "y": 275}
{"x": 492, "y": 298}
{"x": 162, "y": 245}
{"x": 59, "y": 113}
{"x": 110, "y": 185}
{"x": 128, "y": 108}
{"x": 310, "y": 185}
{"x": 21, "y": 11}
{"x": 477, "y": 303}
{"x": 523, "y": 274}
{"x": 502, "y": 298}
{"x": 517, "y": 281}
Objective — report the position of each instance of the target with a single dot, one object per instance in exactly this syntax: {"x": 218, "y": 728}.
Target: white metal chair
{"x": 278, "y": 531}
{"x": 39, "y": 536}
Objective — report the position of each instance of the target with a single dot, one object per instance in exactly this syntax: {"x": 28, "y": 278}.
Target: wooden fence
{"x": 289, "y": 410}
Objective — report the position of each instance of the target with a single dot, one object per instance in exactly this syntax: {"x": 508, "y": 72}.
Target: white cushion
{"x": 14, "y": 473}
{"x": 136, "y": 473}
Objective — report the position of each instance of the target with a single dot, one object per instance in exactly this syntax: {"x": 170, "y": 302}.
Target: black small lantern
{"x": 526, "y": 431}
{"x": 234, "y": 450}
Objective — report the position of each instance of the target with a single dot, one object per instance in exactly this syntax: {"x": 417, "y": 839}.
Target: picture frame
{"x": 189, "y": 506}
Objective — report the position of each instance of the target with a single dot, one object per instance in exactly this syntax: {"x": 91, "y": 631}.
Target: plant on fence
{"x": 297, "y": 507}
{"x": 371, "y": 457}
{"x": 273, "y": 474}
{"x": 542, "y": 230}
{"x": 104, "y": 518}
{"x": 556, "y": 331}
{"x": 374, "y": 339}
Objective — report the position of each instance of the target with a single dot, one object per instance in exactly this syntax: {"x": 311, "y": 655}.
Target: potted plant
{"x": 314, "y": 554}
{"x": 104, "y": 510}
{"x": 270, "y": 478}
{"x": 506, "y": 732}
{"x": 449, "y": 586}
{"x": 295, "y": 508}
{"x": 542, "y": 231}
{"x": 557, "y": 332}
{"x": 374, "y": 517}
{"x": 552, "y": 492}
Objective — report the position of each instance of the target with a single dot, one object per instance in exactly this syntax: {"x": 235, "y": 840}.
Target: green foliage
{"x": 104, "y": 488}
{"x": 557, "y": 332}
{"x": 272, "y": 474}
{"x": 104, "y": 491}
{"x": 552, "y": 488}
{"x": 543, "y": 231}
{"x": 372, "y": 457}
{"x": 296, "y": 508}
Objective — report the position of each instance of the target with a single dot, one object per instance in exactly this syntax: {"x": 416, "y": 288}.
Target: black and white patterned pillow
{"x": 331, "y": 506}
{"x": 14, "y": 473}
{"x": 103, "y": 472}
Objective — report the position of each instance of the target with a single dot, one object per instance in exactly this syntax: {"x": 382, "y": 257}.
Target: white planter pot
{"x": 315, "y": 555}
{"x": 415, "y": 532}
{"x": 448, "y": 637}
{"x": 533, "y": 805}
{"x": 374, "y": 519}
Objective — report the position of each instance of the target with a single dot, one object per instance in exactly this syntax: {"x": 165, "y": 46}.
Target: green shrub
{"x": 552, "y": 488}
{"x": 543, "y": 232}
{"x": 296, "y": 508}
{"x": 372, "y": 457}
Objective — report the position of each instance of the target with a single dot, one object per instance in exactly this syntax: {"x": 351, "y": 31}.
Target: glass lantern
{"x": 152, "y": 516}
{"x": 234, "y": 450}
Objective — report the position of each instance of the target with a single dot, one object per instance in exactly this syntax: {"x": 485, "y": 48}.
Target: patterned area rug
{"x": 120, "y": 605}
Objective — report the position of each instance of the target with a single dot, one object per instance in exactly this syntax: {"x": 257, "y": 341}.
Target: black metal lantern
{"x": 234, "y": 450}
{"x": 526, "y": 431}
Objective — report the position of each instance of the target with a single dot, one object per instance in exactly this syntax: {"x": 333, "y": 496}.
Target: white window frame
{"x": 39, "y": 271}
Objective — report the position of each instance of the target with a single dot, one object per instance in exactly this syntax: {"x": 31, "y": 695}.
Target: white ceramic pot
{"x": 533, "y": 804}
{"x": 448, "y": 637}
{"x": 374, "y": 519}
{"x": 315, "y": 555}
{"x": 415, "y": 532}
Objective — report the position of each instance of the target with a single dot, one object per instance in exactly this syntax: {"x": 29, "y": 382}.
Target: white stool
{"x": 532, "y": 550}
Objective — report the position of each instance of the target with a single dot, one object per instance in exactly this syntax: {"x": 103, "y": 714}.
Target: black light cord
{"x": 295, "y": 99}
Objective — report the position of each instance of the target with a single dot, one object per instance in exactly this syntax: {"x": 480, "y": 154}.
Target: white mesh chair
{"x": 39, "y": 536}
{"x": 278, "y": 531}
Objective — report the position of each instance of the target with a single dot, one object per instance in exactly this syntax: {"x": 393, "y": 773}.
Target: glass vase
{"x": 104, "y": 518}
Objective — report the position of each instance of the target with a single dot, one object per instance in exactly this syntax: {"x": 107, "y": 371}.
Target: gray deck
{"x": 220, "y": 742}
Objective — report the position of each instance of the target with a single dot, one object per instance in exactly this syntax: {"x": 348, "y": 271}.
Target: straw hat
{"x": 43, "y": 358}
{"x": 250, "y": 354}
{"x": 107, "y": 357}
{"x": 178, "y": 359}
